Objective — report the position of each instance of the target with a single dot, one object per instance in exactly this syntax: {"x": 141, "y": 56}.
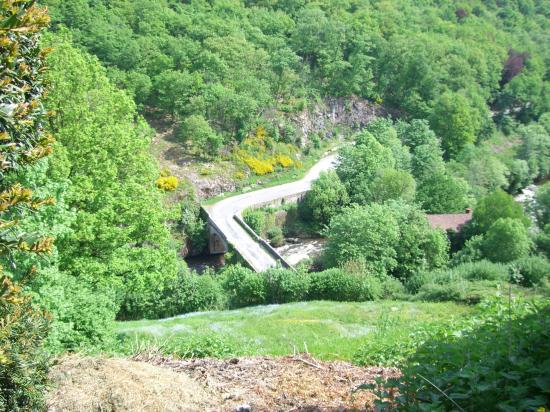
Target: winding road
{"x": 223, "y": 212}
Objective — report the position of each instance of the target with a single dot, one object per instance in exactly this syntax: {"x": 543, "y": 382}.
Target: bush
{"x": 434, "y": 292}
{"x": 285, "y": 285}
{"x": 275, "y": 236}
{"x": 392, "y": 288}
{"x": 419, "y": 279}
{"x": 533, "y": 271}
{"x": 192, "y": 293}
{"x": 255, "y": 219}
{"x": 196, "y": 130}
{"x": 206, "y": 346}
{"x": 494, "y": 360}
{"x": 338, "y": 285}
{"x": 244, "y": 287}
{"x": 482, "y": 270}
{"x": 83, "y": 313}
{"x": 167, "y": 183}
{"x": 23, "y": 360}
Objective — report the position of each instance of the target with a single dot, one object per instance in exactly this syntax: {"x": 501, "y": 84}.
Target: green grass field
{"x": 330, "y": 330}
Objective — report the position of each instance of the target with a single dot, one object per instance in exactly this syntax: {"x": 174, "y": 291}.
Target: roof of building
{"x": 453, "y": 221}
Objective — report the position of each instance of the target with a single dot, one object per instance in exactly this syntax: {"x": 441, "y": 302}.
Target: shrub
{"x": 339, "y": 285}
{"x": 23, "y": 361}
{"x": 533, "y": 271}
{"x": 285, "y": 285}
{"x": 482, "y": 270}
{"x": 506, "y": 240}
{"x": 202, "y": 346}
{"x": 192, "y": 293}
{"x": 167, "y": 183}
{"x": 195, "y": 129}
{"x": 244, "y": 287}
{"x": 255, "y": 219}
{"x": 284, "y": 160}
{"x": 83, "y": 313}
{"x": 392, "y": 288}
{"x": 258, "y": 166}
{"x": 433, "y": 292}
{"x": 419, "y": 279}
{"x": 275, "y": 236}
{"x": 494, "y": 360}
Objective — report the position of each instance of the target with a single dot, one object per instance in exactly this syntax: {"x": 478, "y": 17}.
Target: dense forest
{"x": 90, "y": 235}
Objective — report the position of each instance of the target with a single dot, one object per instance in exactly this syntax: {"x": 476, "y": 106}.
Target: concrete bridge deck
{"x": 223, "y": 222}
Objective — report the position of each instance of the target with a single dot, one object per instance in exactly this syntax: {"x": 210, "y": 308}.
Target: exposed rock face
{"x": 353, "y": 113}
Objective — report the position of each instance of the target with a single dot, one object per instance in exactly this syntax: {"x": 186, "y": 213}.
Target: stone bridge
{"x": 226, "y": 226}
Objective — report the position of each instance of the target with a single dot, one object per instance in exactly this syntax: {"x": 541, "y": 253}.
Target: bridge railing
{"x": 264, "y": 243}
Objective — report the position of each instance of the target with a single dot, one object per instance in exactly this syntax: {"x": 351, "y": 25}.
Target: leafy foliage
{"x": 506, "y": 240}
{"x": 487, "y": 362}
{"x": 394, "y": 238}
{"x": 23, "y": 141}
{"x": 493, "y": 207}
{"x": 325, "y": 199}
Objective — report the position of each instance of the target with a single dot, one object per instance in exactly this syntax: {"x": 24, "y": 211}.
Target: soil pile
{"x": 298, "y": 383}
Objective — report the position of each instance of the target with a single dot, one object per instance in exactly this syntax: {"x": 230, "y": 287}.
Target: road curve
{"x": 223, "y": 212}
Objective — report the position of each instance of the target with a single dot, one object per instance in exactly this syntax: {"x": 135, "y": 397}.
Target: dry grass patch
{"x": 109, "y": 385}
{"x": 292, "y": 383}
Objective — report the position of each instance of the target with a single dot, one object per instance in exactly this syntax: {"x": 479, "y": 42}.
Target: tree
{"x": 455, "y": 121}
{"x": 358, "y": 165}
{"x": 442, "y": 193}
{"x": 386, "y": 134}
{"x": 391, "y": 184}
{"x": 535, "y": 150}
{"x": 506, "y": 240}
{"x": 174, "y": 91}
{"x": 23, "y": 141}
{"x": 493, "y": 207}
{"x": 483, "y": 171}
{"x": 541, "y": 205}
{"x": 119, "y": 240}
{"x": 325, "y": 199}
{"x": 419, "y": 247}
{"x": 394, "y": 238}
{"x": 363, "y": 233}
{"x": 196, "y": 130}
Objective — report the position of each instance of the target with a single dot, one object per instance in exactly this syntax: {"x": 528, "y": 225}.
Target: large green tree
{"x": 119, "y": 239}
{"x": 497, "y": 205}
{"x": 325, "y": 199}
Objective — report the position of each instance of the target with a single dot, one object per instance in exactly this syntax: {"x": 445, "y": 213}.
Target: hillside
{"x": 118, "y": 118}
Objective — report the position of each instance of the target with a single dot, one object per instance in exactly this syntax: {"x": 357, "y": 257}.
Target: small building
{"x": 451, "y": 221}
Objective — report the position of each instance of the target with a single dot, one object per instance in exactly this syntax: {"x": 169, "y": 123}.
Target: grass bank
{"x": 329, "y": 330}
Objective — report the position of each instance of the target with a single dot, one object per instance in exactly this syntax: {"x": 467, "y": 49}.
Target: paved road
{"x": 222, "y": 213}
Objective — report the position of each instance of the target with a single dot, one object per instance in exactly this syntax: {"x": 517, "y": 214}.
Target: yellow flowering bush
{"x": 261, "y": 154}
{"x": 258, "y": 166}
{"x": 284, "y": 160}
{"x": 167, "y": 183}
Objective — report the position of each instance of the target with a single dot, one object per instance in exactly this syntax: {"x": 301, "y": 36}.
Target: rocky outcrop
{"x": 352, "y": 113}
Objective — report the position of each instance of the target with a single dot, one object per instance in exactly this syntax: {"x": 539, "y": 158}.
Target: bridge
{"x": 226, "y": 226}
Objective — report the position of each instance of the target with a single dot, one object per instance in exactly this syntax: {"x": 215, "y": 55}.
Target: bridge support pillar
{"x": 217, "y": 245}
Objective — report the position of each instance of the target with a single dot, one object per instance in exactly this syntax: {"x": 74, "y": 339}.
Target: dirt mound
{"x": 153, "y": 383}
{"x": 281, "y": 384}
{"x": 108, "y": 385}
